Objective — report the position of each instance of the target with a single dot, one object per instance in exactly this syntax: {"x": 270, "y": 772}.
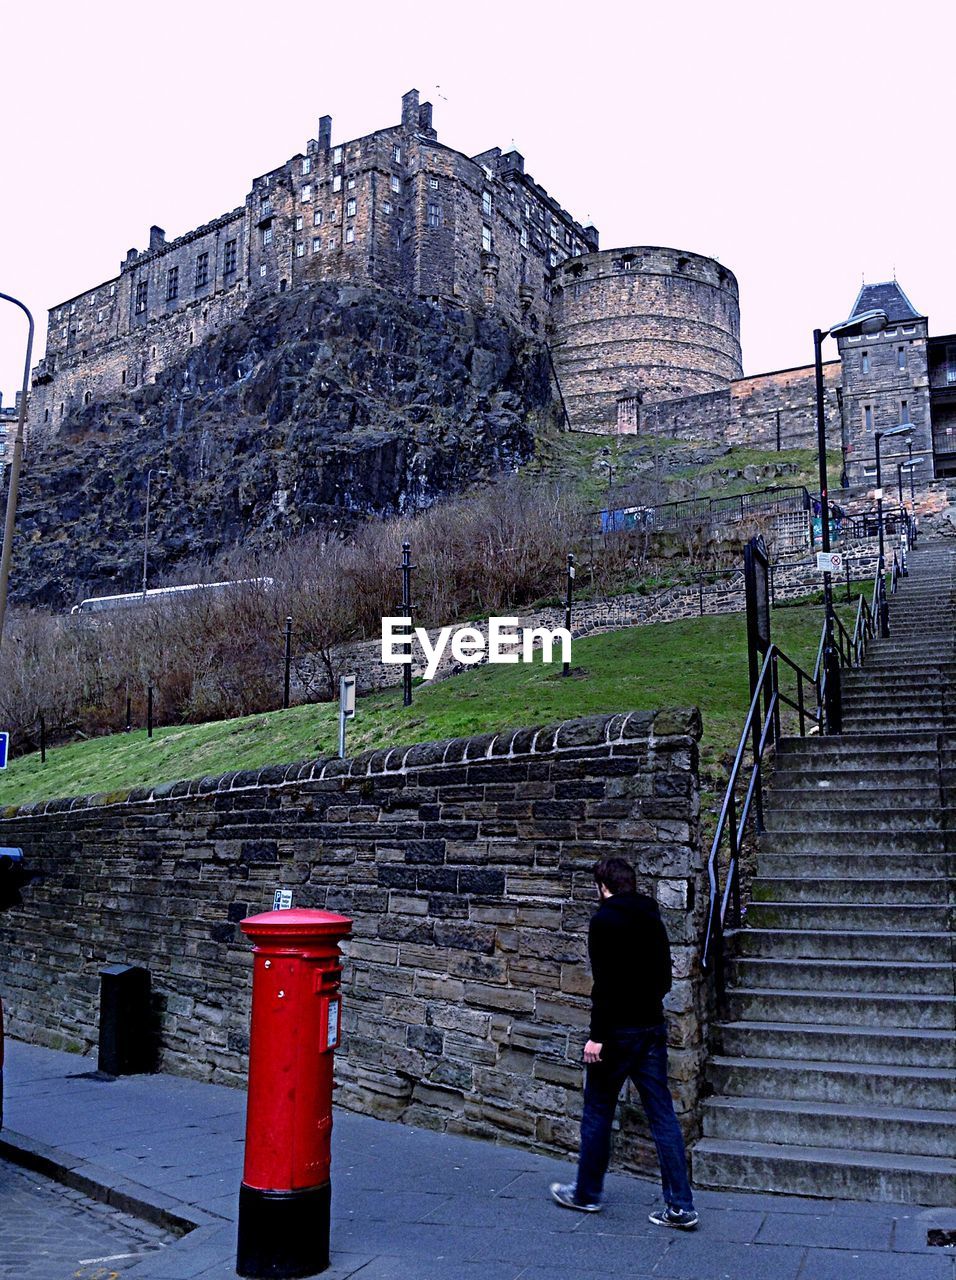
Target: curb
{"x": 100, "y": 1184}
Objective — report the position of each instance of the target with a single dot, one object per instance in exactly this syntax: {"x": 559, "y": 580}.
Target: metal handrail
{"x": 766, "y": 690}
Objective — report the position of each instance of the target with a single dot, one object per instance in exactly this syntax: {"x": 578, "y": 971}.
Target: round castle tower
{"x": 639, "y": 325}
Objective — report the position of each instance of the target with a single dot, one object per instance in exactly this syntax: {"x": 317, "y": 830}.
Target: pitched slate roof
{"x": 888, "y": 297}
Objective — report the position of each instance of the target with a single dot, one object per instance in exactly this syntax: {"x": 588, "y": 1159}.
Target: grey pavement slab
{"x": 418, "y": 1205}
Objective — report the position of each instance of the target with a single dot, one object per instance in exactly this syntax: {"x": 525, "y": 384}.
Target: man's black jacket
{"x": 630, "y": 963}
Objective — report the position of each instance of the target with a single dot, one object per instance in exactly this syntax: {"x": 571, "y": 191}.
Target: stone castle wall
{"x": 466, "y": 866}
{"x": 639, "y": 326}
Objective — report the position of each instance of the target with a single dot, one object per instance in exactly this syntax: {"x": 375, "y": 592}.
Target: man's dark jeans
{"x": 641, "y": 1053}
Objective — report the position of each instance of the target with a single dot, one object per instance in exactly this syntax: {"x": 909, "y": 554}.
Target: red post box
{"x": 286, "y": 1191}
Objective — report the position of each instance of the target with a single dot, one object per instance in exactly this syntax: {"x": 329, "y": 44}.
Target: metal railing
{"x": 745, "y": 791}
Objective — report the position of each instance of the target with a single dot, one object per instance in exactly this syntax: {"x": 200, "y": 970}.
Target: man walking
{"x": 631, "y": 967}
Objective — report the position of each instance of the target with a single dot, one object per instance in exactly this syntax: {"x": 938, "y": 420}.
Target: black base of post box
{"x": 283, "y": 1235}
{"x": 125, "y": 1039}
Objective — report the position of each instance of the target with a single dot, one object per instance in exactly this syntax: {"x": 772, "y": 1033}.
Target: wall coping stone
{"x": 673, "y": 726}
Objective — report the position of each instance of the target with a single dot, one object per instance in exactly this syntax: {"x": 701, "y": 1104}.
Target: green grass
{"x": 699, "y": 661}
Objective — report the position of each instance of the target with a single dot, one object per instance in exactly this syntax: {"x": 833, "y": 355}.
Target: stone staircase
{"x": 834, "y": 1067}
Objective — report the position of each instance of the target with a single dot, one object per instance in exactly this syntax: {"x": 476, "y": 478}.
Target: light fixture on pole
{"x": 902, "y": 429}
{"x": 14, "y": 481}
{"x": 149, "y": 481}
{"x": 903, "y": 466}
{"x": 867, "y": 322}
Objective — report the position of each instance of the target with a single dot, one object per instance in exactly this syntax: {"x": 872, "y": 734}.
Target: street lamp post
{"x": 149, "y": 481}
{"x": 904, "y": 466}
{"x": 14, "y": 482}
{"x": 868, "y": 322}
{"x": 884, "y": 604}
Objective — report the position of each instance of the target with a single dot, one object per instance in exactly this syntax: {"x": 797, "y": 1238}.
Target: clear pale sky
{"x": 799, "y": 143}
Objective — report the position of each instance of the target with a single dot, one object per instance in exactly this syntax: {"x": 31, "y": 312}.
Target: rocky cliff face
{"x": 332, "y": 404}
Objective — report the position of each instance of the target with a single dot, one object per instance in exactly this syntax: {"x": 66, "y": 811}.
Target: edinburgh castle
{"x": 640, "y": 339}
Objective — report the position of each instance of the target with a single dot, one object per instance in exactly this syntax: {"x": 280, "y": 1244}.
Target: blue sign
{"x": 4, "y": 746}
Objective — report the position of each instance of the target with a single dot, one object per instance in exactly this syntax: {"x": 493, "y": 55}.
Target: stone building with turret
{"x": 642, "y": 339}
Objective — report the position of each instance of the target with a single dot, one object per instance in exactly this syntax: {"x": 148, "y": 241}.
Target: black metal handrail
{"x": 768, "y": 692}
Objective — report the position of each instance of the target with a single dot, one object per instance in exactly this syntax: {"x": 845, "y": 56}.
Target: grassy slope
{"x": 698, "y": 661}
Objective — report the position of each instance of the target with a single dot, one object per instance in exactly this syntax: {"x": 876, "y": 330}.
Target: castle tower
{"x": 635, "y": 326}
{"x": 886, "y": 383}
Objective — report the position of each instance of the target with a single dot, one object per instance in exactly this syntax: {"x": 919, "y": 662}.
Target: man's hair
{"x": 616, "y": 874}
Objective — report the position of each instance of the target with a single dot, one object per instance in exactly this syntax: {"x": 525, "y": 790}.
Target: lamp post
{"x": 867, "y": 322}
{"x": 903, "y": 466}
{"x": 14, "y": 483}
{"x": 884, "y": 605}
{"x": 149, "y": 481}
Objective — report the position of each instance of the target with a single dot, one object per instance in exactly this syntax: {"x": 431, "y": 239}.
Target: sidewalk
{"x": 415, "y": 1205}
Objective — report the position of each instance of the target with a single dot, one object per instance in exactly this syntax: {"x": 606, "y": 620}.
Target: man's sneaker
{"x": 682, "y": 1219}
{"x": 564, "y": 1196}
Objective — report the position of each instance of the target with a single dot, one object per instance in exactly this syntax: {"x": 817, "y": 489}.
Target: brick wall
{"x": 467, "y": 868}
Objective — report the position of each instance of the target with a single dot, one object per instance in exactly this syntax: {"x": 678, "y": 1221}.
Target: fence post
{"x": 566, "y": 670}
{"x": 286, "y": 688}
{"x": 149, "y": 711}
{"x": 406, "y": 570}
{"x": 129, "y": 714}
{"x": 42, "y": 740}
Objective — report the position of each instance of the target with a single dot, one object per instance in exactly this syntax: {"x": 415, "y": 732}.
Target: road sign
{"x": 4, "y": 748}
{"x": 830, "y": 561}
{"x": 282, "y": 900}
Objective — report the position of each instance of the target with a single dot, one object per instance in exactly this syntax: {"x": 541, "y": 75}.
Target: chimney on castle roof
{"x": 425, "y": 118}
{"x": 131, "y": 256}
{"x": 157, "y": 237}
{"x": 410, "y": 109}
{"x": 325, "y": 133}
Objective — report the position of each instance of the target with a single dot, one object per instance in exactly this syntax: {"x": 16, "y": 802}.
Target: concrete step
{"x": 724, "y": 1164}
{"x": 850, "y": 889}
{"x": 900, "y": 1130}
{"x": 850, "y": 1082}
{"x": 861, "y": 863}
{"x": 822, "y": 814}
{"x": 849, "y": 917}
{"x": 840, "y": 944}
{"x": 823, "y": 746}
{"x": 826, "y": 1008}
{"x": 812, "y": 780}
{"x": 870, "y": 796}
{"x": 853, "y": 840}
{"x": 780, "y": 1040}
{"x": 866, "y": 976}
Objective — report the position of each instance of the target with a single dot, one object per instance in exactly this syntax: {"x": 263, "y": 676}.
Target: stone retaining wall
{"x": 466, "y": 866}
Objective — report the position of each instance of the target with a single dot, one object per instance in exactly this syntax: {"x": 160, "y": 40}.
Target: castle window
{"x": 316, "y": 243}
{"x": 486, "y": 238}
{"x": 87, "y": 397}
{"x": 552, "y": 259}
{"x": 63, "y": 334}
{"x": 350, "y": 184}
{"x": 433, "y": 184}
{"x": 337, "y": 182}
{"x": 46, "y": 416}
{"x": 267, "y": 235}
{"x": 306, "y": 193}
{"x": 229, "y": 258}
{"x": 486, "y": 205}
{"x": 262, "y": 270}
{"x": 142, "y": 297}
{"x": 350, "y": 235}
{"x": 865, "y": 361}
{"x": 434, "y": 215}
{"x": 306, "y": 164}
{"x": 300, "y": 250}
{"x": 123, "y": 378}
{"x": 331, "y": 242}
{"x": 627, "y": 412}
{"x": 901, "y": 358}
{"x": 298, "y": 222}
{"x": 524, "y": 237}
{"x": 554, "y": 230}
{"x": 333, "y": 215}
{"x": 337, "y": 155}
{"x": 396, "y": 183}
{"x": 72, "y": 308}
{"x": 112, "y": 290}
{"x": 202, "y": 270}
{"x": 317, "y": 218}
{"x": 386, "y": 206}
{"x": 904, "y": 411}
{"x": 350, "y": 208}
{"x": 266, "y": 207}
{"x": 99, "y": 317}
{"x": 868, "y": 417}
{"x": 397, "y": 155}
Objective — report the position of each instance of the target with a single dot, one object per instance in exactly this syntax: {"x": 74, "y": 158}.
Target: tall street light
{"x": 149, "y": 481}
{"x": 867, "y": 322}
{"x": 902, "y": 429}
{"x": 901, "y": 467}
{"x": 14, "y": 484}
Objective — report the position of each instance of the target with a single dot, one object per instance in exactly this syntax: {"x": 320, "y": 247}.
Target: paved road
{"x": 49, "y": 1232}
